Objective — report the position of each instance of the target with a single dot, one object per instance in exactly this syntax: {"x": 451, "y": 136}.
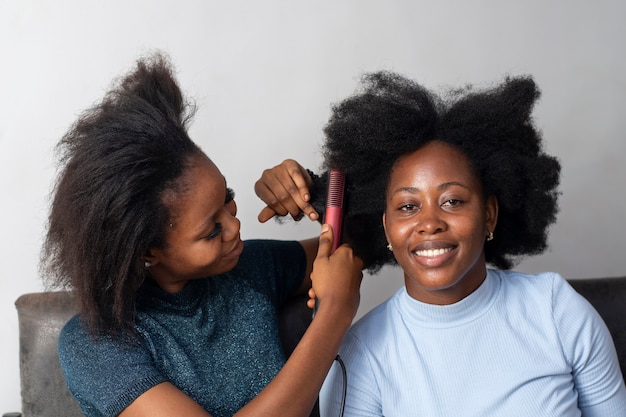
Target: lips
{"x": 236, "y": 251}
{"x": 433, "y": 245}
{"x": 431, "y": 253}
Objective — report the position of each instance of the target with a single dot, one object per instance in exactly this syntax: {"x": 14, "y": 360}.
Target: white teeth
{"x": 431, "y": 253}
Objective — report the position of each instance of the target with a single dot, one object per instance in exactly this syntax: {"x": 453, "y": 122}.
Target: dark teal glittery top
{"x": 217, "y": 339}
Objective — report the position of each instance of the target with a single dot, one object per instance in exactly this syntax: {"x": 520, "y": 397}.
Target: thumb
{"x": 326, "y": 242}
{"x": 266, "y": 214}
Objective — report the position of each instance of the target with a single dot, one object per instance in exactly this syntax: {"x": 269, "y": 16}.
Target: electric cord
{"x": 345, "y": 384}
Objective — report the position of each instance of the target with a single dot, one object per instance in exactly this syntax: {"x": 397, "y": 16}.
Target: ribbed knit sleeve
{"x": 589, "y": 349}
{"x": 103, "y": 371}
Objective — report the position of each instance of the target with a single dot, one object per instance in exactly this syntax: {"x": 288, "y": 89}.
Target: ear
{"x": 151, "y": 257}
{"x": 491, "y": 209}
{"x": 384, "y": 219}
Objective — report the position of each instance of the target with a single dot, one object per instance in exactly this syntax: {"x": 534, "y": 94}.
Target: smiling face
{"x": 203, "y": 236}
{"x": 437, "y": 219}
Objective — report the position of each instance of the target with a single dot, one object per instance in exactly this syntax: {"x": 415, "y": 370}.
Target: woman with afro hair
{"x": 443, "y": 186}
{"x": 178, "y": 315}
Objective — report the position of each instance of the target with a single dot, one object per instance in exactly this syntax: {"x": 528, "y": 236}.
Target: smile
{"x": 432, "y": 253}
{"x": 236, "y": 251}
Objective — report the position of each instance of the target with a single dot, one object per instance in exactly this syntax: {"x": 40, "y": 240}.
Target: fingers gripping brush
{"x": 334, "y": 209}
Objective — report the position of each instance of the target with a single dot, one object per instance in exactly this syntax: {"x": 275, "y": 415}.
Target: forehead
{"x": 201, "y": 179}
{"x": 435, "y": 161}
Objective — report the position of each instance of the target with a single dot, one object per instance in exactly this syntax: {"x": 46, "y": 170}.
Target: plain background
{"x": 265, "y": 73}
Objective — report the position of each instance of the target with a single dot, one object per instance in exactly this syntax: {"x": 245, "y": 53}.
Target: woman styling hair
{"x": 443, "y": 186}
{"x": 177, "y": 313}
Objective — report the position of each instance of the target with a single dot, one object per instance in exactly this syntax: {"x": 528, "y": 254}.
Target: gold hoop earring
{"x": 490, "y": 236}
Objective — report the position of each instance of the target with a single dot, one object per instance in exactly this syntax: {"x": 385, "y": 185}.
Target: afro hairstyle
{"x": 390, "y": 116}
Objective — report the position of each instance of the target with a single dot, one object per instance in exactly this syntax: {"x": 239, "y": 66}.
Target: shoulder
{"x": 545, "y": 295}
{"x": 261, "y": 262}
{"x": 79, "y": 348}
{"x": 549, "y": 298}
{"x": 72, "y": 334}
{"x": 258, "y": 250}
{"x": 104, "y": 373}
{"x": 522, "y": 279}
{"x": 374, "y": 326}
{"x": 274, "y": 265}
{"x": 542, "y": 287}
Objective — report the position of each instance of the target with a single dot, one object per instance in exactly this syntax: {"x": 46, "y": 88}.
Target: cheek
{"x": 398, "y": 232}
{"x": 199, "y": 254}
{"x": 471, "y": 230}
{"x": 209, "y": 251}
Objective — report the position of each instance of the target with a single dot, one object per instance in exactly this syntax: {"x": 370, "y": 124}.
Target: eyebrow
{"x": 415, "y": 190}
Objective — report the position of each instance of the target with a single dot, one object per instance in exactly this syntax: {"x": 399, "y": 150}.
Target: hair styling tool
{"x": 334, "y": 209}
{"x": 334, "y": 204}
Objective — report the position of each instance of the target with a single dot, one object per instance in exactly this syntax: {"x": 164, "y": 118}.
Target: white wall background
{"x": 264, "y": 74}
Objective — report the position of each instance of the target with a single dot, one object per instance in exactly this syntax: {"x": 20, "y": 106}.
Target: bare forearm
{"x": 294, "y": 390}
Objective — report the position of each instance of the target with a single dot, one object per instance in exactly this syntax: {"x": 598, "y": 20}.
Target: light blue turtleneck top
{"x": 520, "y": 345}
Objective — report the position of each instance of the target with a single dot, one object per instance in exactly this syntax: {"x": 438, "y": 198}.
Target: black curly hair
{"x": 392, "y": 116}
{"x": 117, "y": 163}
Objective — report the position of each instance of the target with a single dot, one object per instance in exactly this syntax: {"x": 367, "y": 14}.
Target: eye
{"x": 407, "y": 207}
{"x": 216, "y": 232}
{"x": 230, "y": 195}
{"x": 453, "y": 202}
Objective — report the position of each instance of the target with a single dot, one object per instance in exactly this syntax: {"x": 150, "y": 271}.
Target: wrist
{"x": 340, "y": 314}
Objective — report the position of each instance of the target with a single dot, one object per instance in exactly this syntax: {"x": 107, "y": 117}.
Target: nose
{"x": 430, "y": 220}
{"x": 230, "y": 223}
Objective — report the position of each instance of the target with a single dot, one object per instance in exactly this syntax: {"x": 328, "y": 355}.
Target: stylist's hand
{"x": 336, "y": 277}
{"x": 285, "y": 190}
